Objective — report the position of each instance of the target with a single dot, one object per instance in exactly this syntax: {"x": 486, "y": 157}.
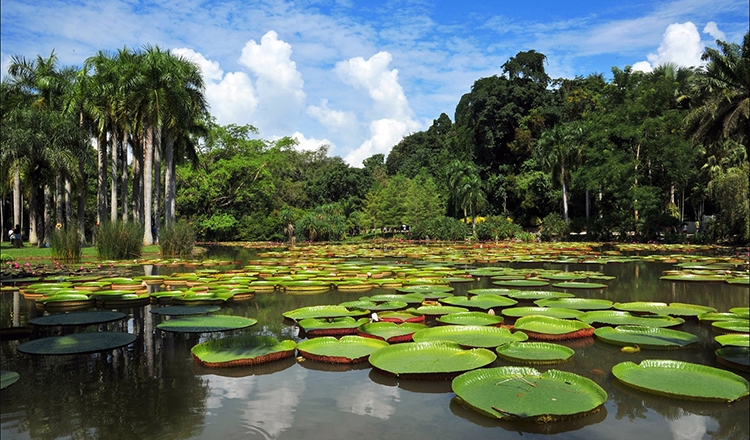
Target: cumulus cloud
{"x": 681, "y": 44}
{"x": 333, "y": 119}
{"x": 311, "y": 144}
{"x": 210, "y": 69}
{"x": 713, "y": 30}
{"x": 384, "y": 134}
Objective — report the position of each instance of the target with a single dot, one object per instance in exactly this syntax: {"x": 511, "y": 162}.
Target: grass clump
{"x": 177, "y": 239}
{"x": 119, "y": 240}
{"x": 66, "y": 244}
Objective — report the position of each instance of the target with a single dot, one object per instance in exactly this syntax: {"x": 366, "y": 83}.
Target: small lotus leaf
{"x": 8, "y": 378}
{"x": 549, "y": 325}
{"x": 575, "y": 303}
{"x": 735, "y": 357}
{"x": 739, "y": 326}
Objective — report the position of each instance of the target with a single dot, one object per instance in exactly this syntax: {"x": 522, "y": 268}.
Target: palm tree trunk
{"x": 169, "y": 180}
{"x": 59, "y": 199}
{"x": 33, "y": 216}
{"x": 47, "y": 227}
{"x": 17, "y": 214}
{"x": 124, "y": 177}
{"x": 157, "y": 194}
{"x": 137, "y": 179}
{"x": 68, "y": 203}
{"x": 565, "y": 193}
{"x": 101, "y": 189}
{"x": 81, "y": 210}
{"x": 115, "y": 150}
{"x": 148, "y": 238}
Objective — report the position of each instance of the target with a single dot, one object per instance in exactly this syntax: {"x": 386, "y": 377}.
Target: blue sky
{"x": 359, "y": 75}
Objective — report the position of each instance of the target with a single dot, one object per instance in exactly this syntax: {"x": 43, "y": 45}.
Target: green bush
{"x": 118, "y": 240}
{"x": 441, "y": 228}
{"x": 553, "y": 227}
{"x": 498, "y": 228}
{"x": 66, "y": 244}
{"x": 526, "y": 237}
{"x": 177, "y": 239}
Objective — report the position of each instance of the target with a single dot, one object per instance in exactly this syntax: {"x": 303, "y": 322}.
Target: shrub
{"x": 498, "y": 228}
{"x": 66, "y": 244}
{"x": 177, "y": 239}
{"x": 553, "y": 227}
{"x": 118, "y": 240}
{"x": 526, "y": 237}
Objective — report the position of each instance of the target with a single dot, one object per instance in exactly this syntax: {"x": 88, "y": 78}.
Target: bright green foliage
{"x": 66, "y": 244}
{"x": 177, "y": 238}
{"x": 119, "y": 241}
{"x": 498, "y": 228}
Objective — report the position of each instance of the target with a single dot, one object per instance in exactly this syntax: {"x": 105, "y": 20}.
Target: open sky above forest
{"x": 359, "y": 75}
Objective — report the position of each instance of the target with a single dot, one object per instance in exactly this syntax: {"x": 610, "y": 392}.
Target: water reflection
{"x": 369, "y": 399}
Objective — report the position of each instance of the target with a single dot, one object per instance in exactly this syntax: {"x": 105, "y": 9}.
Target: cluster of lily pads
{"x": 423, "y": 331}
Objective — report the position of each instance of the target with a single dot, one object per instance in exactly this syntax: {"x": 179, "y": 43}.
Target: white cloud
{"x": 681, "y": 44}
{"x": 384, "y": 134}
{"x": 333, "y": 119}
{"x": 643, "y": 66}
{"x": 713, "y": 30}
{"x": 210, "y": 69}
{"x": 312, "y": 144}
{"x": 233, "y": 100}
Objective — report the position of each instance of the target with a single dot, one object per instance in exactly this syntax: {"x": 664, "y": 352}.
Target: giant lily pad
{"x": 555, "y": 312}
{"x": 77, "y": 343}
{"x": 734, "y": 340}
{"x": 575, "y": 303}
{"x": 386, "y": 297}
{"x": 735, "y": 357}
{"x": 739, "y": 326}
{"x": 535, "y": 352}
{"x": 483, "y": 302}
{"x": 617, "y": 317}
{"x": 549, "y": 328}
{"x": 682, "y": 380}
{"x": 645, "y": 337}
{"x": 439, "y": 310}
{"x": 323, "y": 312}
{"x": 710, "y": 317}
{"x": 742, "y": 312}
{"x": 241, "y": 351}
{"x": 659, "y": 308}
{"x": 470, "y": 318}
{"x": 399, "y": 316}
{"x": 522, "y": 393}
{"x": 579, "y": 285}
{"x": 331, "y": 326}
{"x": 79, "y": 318}
{"x": 203, "y": 324}
{"x": 425, "y": 289}
{"x": 522, "y": 283}
{"x": 390, "y": 331}
{"x": 434, "y": 360}
{"x": 8, "y": 378}
{"x": 185, "y": 310}
{"x": 347, "y": 350}
{"x": 533, "y": 295}
{"x": 477, "y": 336}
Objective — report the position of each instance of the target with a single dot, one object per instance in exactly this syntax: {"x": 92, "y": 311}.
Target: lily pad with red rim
{"x": 325, "y": 311}
{"x": 399, "y": 316}
{"x": 347, "y": 350}
{"x": 535, "y": 352}
{"x": 555, "y": 312}
{"x": 575, "y": 303}
{"x": 660, "y": 308}
{"x": 470, "y": 318}
{"x": 475, "y": 336}
{"x": 241, "y": 351}
{"x": 645, "y": 337}
{"x": 204, "y": 324}
{"x": 579, "y": 285}
{"x": 482, "y": 302}
{"x": 331, "y": 326}
{"x": 618, "y": 317}
{"x": 552, "y": 329}
{"x": 429, "y": 360}
{"x": 390, "y": 331}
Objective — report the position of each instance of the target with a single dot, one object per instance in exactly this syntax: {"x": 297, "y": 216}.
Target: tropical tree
{"x": 559, "y": 148}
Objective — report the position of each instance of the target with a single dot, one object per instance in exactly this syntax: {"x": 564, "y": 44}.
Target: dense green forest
{"x": 632, "y": 157}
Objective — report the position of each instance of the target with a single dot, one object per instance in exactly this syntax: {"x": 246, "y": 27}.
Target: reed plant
{"x": 177, "y": 239}
{"x": 66, "y": 244}
{"x": 119, "y": 240}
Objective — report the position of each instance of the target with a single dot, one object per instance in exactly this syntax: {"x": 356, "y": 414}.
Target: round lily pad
{"x": 204, "y": 324}
{"x": 241, "y": 351}
{"x": 399, "y": 316}
{"x": 434, "y": 360}
{"x": 185, "y": 310}
{"x": 734, "y": 340}
{"x": 439, "y": 310}
{"x": 533, "y": 295}
{"x": 579, "y": 285}
{"x": 659, "y": 308}
{"x": 323, "y": 312}
{"x": 8, "y": 378}
{"x": 522, "y": 393}
{"x": 521, "y": 283}
{"x": 549, "y": 328}
{"x": 575, "y": 303}
{"x": 331, "y": 326}
{"x": 470, "y": 335}
{"x": 564, "y": 276}
{"x": 390, "y": 331}
{"x": 470, "y": 318}
{"x": 407, "y": 298}
{"x": 645, "y": 337}
{"x": 742, "y": 312}
{"x": 734, "y": 357}
{"x": 77, "y": 343}
{"x": 79, "y": 318}
{"x": 535, "y": 352}
{"x": 682, "y": 380}
{"x": 425, "y": 289}
{"x": 501, "y": 292}
{"x": 710, "y": 317}
{"x": 483, "y": 302}
{"x": 555, "y": 312}
{"x": 739, "y": 326}
{"x": 347, "y": 350}
{"x": 618, "y": 317}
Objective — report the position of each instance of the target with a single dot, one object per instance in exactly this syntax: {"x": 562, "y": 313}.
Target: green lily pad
{"x": 8, "y": 378}
{"x": 739, "y": 326}
{"x": 390, "y": 331}
{"x": 522, "y": 393}
{"x": 710, "y": 317}
{"x": 483, "y": 301}
{"x": 690, "y": 277}
{"x": 618, "y": 317}
{"x": 476, "y": 336}
{"x": 435, "y": 359}
{"x": 579, "y": 285}
{"x": 331, "y": 326}
{"x": 215, "y": 297}
{"x": 575, "y": 303}
{"x": 682, "y": 380}
{"x": 549, "y": 328}
{"x": 521, "y": 283}
{"x": 399, "y": 316}
{"x": 204, "y": 324}
{"x": 79, "y": 318}
{"x": 501, "y": 292}
{"x": 533, "y": 295}
{"x": 470, "y": 318}
{"x": 735, "y": 357}
{"x": 742, "y": 312}
{"x": 389, "y": 297}
{"x": 645, "y": 337}
{"x": 438, "y": 310}
{"x": 659, "y": 308}
{"x": 564, "y": 276}
{"x": 185, "y": 310}
{"x": 734, "y": 340}
{"x": 425, "y": 289}
{"x": 241, "y": 351}
{"x": 77, "y": 343}
{"x": 555, "y": 312}
{"x": 347, "y": 350}
{"x": 535, "y": 352}
{"x": 323, "y": 312}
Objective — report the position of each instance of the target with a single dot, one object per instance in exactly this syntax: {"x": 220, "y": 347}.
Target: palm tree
{"x": 559, "y": 148}
{"x": 466, "y": 188}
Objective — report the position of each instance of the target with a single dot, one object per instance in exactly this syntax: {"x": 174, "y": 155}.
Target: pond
{"x": 153, "y": 389}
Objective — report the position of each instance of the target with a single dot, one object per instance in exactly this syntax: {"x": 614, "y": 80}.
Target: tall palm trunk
{"x": 157, "y": 177}
{"x": 115, "y": 150}
{"x": 101, "y": 189}
{"x": 68, "y": 203}
{"x": 565, "y": 193}
{"x": 124, "y": 177}
{"x": 81, "y": 209}
{"x": 47, "y": 227}
{"x": 33, "y": 216}
{"x": 17, "y": 214}
{"x": 137, "y": 179}
{"x": 59, "y": 199}
{"x": 148, "y": 159}
{"x": 169, "y": 180}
